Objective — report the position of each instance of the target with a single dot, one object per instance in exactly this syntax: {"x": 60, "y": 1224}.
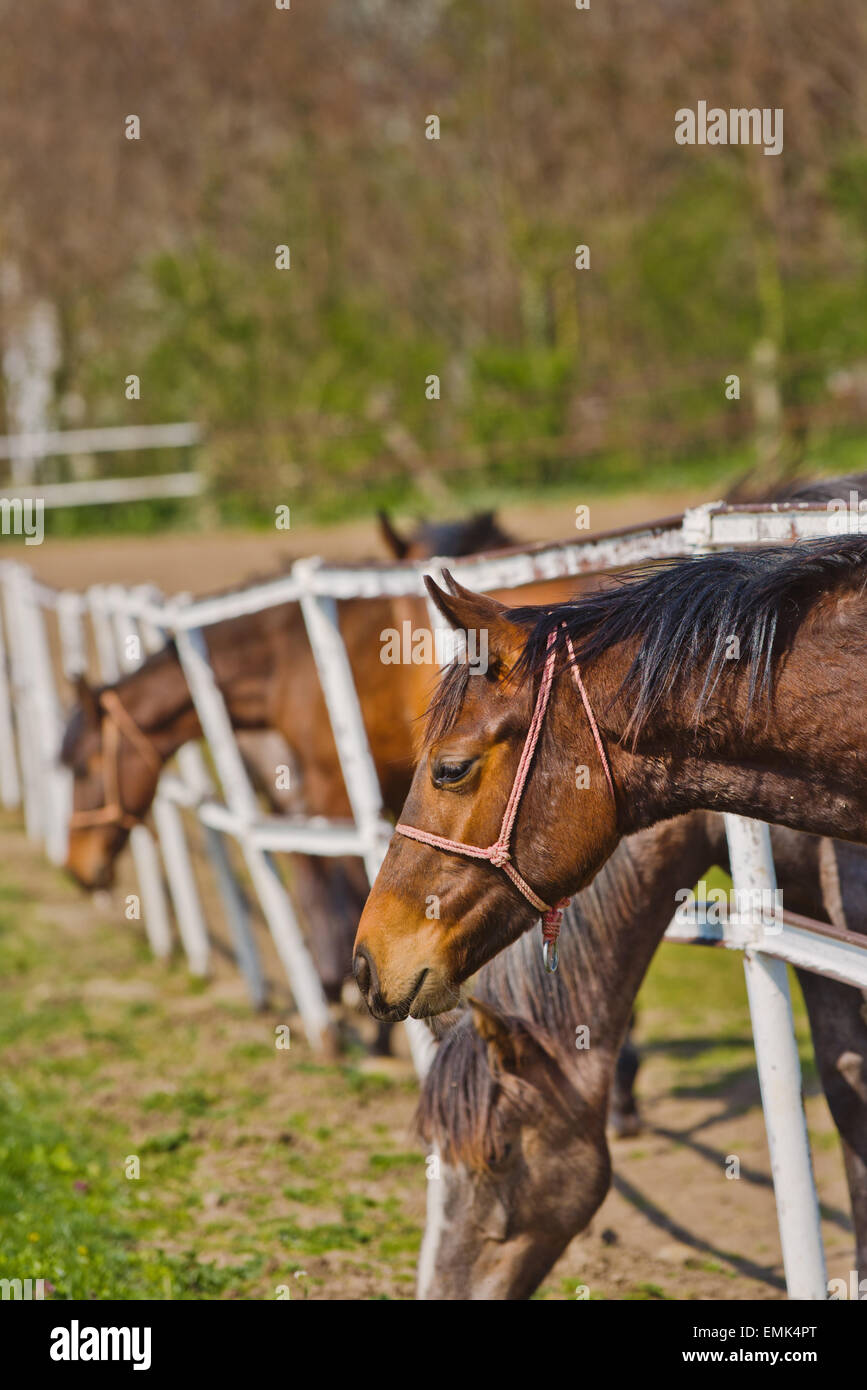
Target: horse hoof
{"x": 624, "y": 1126}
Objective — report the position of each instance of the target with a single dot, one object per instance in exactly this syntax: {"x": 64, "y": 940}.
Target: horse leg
{"x": 838, "y": 1019}
{"x": 330, "y": 894}
{"x": 382, "y": 1042}
{"x": 836, "y": 1014}
{"x": 326, "y": 894}
{"x": 623, "y": 1116}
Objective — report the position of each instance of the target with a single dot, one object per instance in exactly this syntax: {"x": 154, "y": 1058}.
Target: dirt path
{"x": 201, "y": 562}
{"x": 262, "y": 1167}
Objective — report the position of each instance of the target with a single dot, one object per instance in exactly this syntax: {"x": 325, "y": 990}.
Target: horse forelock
{"x": 448, "y": 698}
{"x": 446, "y": 702}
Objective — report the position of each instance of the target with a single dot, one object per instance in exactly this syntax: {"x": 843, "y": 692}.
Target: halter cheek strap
{"x": 499, "y": 853}
{"x": 116, "y": 722}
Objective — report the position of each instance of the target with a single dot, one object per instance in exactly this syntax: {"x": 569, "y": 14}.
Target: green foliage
{"x": 304, "y": 378}
{"x": 413, "y": 257}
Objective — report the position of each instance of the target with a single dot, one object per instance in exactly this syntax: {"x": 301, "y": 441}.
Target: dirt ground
{"x": 264, "y": 1168}
{"x": 199, "y": 562}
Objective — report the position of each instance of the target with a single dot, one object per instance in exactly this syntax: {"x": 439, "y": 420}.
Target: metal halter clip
{"x": 551, "y": 955}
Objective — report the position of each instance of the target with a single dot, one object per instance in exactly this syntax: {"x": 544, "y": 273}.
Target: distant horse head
{"x": 115, "y": 770}
{"x": 722, "y": 682}
{"x": 467, "y": 536}
{"x": 274, "y": 684}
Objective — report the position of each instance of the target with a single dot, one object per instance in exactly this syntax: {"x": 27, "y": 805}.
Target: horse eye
{"x": 451, "y": 772}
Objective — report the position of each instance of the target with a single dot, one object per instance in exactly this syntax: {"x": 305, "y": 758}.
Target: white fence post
{"x": 103, "y": 634}
{"x": 779, "y": 1069}
{"x": 182, "y": 884}
{"x": 70, "y": 628}
{"x": 10, "y": 783}
{"x": 291, "y": 946}
{"x": 167, "y": 817}
{"x": 194, "y": 774}
{"x": 54, "y": 782}
{"x": 344, "y": 712}
{"x": 15, "y": 580}
{"x": 356, "y": 761}
{"x": 18, "y": 694}
{"x": 155, "y": 908}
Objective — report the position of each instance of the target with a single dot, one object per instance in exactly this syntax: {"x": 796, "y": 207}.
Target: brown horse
{"x": 267, "y": 674}
{"x": 265, "y": 669}
{"x": 516, "y": 1113}
{"x": 727, "y": 682}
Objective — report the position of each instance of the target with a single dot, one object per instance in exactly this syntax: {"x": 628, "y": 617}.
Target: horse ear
{"x": 511, "y": 1047}
{"x": 470, "y": 612}
{"x": 394, "y": 542}
{"x": 88, "y": 699}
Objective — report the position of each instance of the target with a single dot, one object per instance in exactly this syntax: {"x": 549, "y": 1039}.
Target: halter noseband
{"x": 500, "y": 854}
{"x": 116, "y": 721}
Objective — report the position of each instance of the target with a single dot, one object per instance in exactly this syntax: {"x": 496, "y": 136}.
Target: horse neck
{"x": 157, "y": 699}
{"x": 610, "y": 932}
{"x": 243, "y": 656}
{"x": 247, "y": 656}
{"x": 264, "y": 668}
{"x": 792, "y": 758}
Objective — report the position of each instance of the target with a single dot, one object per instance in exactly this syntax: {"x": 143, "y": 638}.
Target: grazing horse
{"x": 726, "y": 682}
{"x": 516, "y": 1113}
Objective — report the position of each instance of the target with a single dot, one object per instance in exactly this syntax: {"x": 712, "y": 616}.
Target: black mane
{"x": 683, "y": 616}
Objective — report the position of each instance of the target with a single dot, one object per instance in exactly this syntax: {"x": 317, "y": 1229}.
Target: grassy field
{"x": 108, "y": 1056}
{"x": 261, "y": 1168}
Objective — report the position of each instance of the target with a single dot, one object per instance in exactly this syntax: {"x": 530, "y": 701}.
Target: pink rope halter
{"x": 499, "y": 853}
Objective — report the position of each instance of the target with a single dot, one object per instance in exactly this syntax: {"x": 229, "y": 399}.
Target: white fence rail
{"x": 30, "y": 728}
{"x": 25, "y": 450}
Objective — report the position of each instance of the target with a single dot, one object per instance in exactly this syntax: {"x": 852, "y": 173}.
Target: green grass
{"x": 70, "y": 1216}
{"x": 241, "y": 1181}
{"x": 255, "y": 1165}
{"x": 693, "y": 1006}
{"x": 383, "y": 1163}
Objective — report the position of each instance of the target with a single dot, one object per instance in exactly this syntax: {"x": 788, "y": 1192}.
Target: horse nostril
{"x": 361, "y": 970}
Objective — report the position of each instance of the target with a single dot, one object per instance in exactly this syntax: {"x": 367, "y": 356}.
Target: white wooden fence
{"x": 24, "y": 451}
{"x": 30, "y": 729}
